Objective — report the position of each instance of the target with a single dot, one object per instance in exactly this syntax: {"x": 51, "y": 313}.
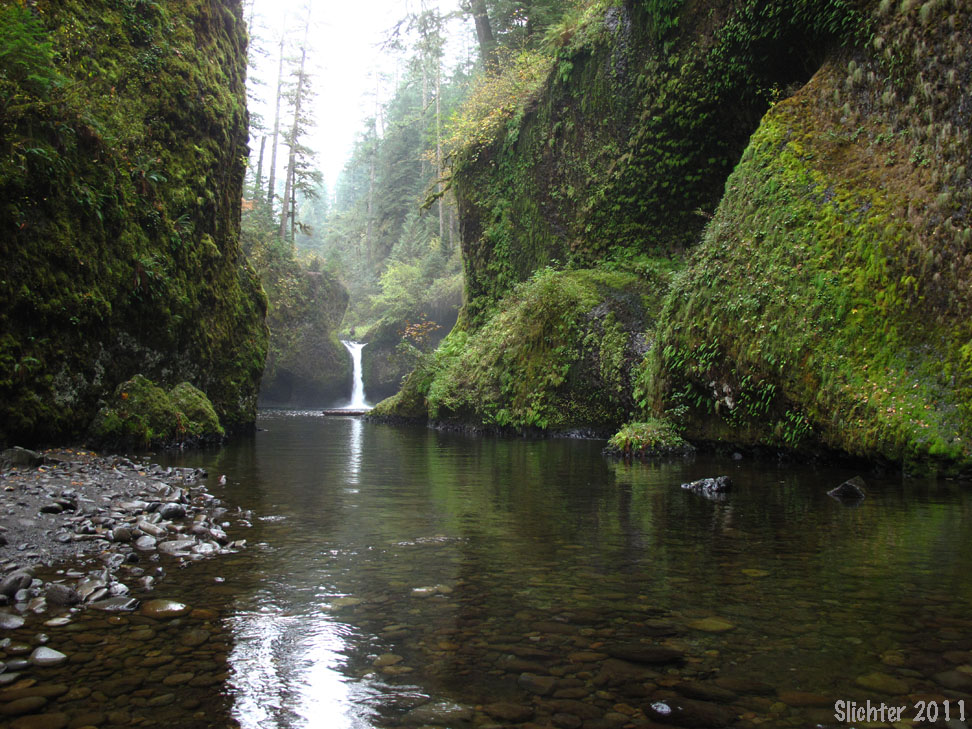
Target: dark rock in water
{"x": 172, "y": 510}
{"x": 14, "y": 582}
{"x": 62, "y": 595}
{"x": 652, "y": 655}
{"x": 850, "y": 491}
{"x": 18, "y": 456}
{"x": 711, "y": 488}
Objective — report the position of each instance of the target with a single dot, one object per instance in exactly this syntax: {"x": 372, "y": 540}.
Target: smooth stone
{"x": 172, "y": 511}
{"x": 343, "y": 602}
{"x": 57, "y": 622}
{"x": 690, "y": 713}
{"x": 711, "y": 625}
{"x": 162, "y": 608}
{"x": 194, "y": 637}
{"x": 26, "y": 705}
{"x": 883, "y": 683}
{"x": 955, "y": 680}
{"x": 41, "y": 721}
{"x": 145, "y": 543}
{"x": 122, "y": 534}
{"x": 800, "y": 699}
{"x": 14, "y": 582}
{"x": 706, "y": 692}
{"x": 440, "y": 712}
{"x": 9, "y": 621}
{"x": 46, "y": 690}
{"x": 507, "y": 711}
{"x": 755, "y": 573}
{"x": 44, "y": 656}
{"x": 652, "y": 655}
{"x": 567, "y": 721}
{"x": 119, "y": 604}
{"x": 744, "y": 685}
{"x": 177, "y": 679}
{"x": 387, "y": 659}
{"x": 542, "y": 685}
{"x": 176, "y": 547}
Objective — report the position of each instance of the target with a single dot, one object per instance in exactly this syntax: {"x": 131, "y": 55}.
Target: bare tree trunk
{"x": 258, "y": 184}
{"x": 289, "y": 193}
{"x": 484, "y": 33}
{"x": 276, "y": 127}
{"x": 373, "y": 172}
{"x": 438, "y": 147}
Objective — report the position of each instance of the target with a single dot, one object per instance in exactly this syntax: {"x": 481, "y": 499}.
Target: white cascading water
{"x": 357, "y": 388}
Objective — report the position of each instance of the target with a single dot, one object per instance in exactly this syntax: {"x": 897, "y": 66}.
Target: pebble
{"x": 162, "y": 608}
{"x": 44, "y": 656}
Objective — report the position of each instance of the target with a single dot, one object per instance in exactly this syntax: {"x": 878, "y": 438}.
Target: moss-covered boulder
{"x": 142, "y": 415}
{"x": 306, "y": 365}
{"x": 556, "y": 354}
{"x": 123, "y": 130}
{"x": 652, "y": 438}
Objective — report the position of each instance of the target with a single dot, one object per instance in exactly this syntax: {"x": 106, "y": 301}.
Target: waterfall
{"x": 357, "y": 388}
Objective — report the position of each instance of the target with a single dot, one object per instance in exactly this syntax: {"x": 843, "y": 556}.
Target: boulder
{"x": 849, "y": 492}
{"x": 711, "y": 488}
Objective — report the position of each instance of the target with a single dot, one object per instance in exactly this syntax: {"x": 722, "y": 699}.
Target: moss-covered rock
{"x": 555, "y": 355}
{"x": 653, "y": 438}
{"x": 306, "y": 364}
{"x": 122, "y": 137}
{"x": 142, "y": 415}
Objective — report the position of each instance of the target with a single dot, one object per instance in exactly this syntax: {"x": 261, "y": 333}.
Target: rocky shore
{"x": 79, "y": 533}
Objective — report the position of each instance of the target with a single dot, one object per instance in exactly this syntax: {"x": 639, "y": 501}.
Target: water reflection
{"x": 473, "y": 561}
{"x": 354, "y": 451}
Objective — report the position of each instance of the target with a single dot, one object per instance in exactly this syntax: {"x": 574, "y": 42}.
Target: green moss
{"x": 200, "y": 418}
{"x": 143, "y": 415}
{"x": 555, "y": 354}
{"x": 120, "y": 185}
{"x": 653, "y": 438}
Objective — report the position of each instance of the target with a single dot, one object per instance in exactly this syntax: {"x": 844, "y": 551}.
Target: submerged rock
{"x": 710, "y": 488}
{"x": 851, "y": 491}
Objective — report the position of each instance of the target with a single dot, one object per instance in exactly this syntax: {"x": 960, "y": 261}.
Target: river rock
{"x": 44, "y": 656}
{"x": 9, "y": 621}
{"x": 955, "y": 680}
{"x": 652, "y": 655}
{"x": 542, "y": 685}
{"x": 706, "y": 692}
{"x": 172, "y": 510}
{"x": 387, "y": 659}
{"x": 122, "y": 534}
{"x": 711, "y": 625}
{"x": 21, "y": 457}
{"x": 145, "y": 543}
{"x": 690, "y": 713}
{"x": 711, "y": 488}
{"x": 883, "y": 683}
{"x": 120, "y": 604}
{"x": 57, "y": 720}
{"x": 14, "y": 582}
{"x": 176, "y": 547}
{"x": 851, "y": 491}
{"x": 26, "y": 705}
{"x": 438, "y": 713}
{"x": 61, "y": 595}
{"x": 507, "y": 711}
{"x": 162, "y": 608}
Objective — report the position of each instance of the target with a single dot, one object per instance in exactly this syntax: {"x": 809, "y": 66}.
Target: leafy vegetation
{"x": 651, "y": 439}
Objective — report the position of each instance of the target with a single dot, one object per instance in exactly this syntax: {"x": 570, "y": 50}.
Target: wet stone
{"x": 26, "y": 705}
{"x": 115, "y": 604}
{"x": 163, "y": 608}
{"x": 10, "y": 622}
{"x": 542, "y": 685}
{"x": 883, "y": 683}
{"x": 41, "y": 721}
{"x": 44, "y": 656}
{"x": 690, "y": 713}
{"x": 647, "y": 654}
{"x": 440, "y": 712}
{"x": 507, "y": 711}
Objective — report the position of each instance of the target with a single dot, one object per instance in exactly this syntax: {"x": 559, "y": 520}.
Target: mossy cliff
{"x": 306, "y": 365}
{"x": 123, "y": 132}
{"x": 802, "y": 167}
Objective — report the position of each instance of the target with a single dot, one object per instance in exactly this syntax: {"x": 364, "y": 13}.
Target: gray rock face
{"x": 851, "y": 491}
{"x": 711, "y": 488}
{"x": 18, "y": 456}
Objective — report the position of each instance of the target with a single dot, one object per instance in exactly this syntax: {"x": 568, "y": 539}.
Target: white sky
{"x": 345, "y": 41}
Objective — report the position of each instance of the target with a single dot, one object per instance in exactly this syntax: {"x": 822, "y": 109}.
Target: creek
{"x": 405, "y": 576}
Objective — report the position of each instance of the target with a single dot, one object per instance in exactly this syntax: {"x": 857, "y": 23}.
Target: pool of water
{"x": 404, "y": 576}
